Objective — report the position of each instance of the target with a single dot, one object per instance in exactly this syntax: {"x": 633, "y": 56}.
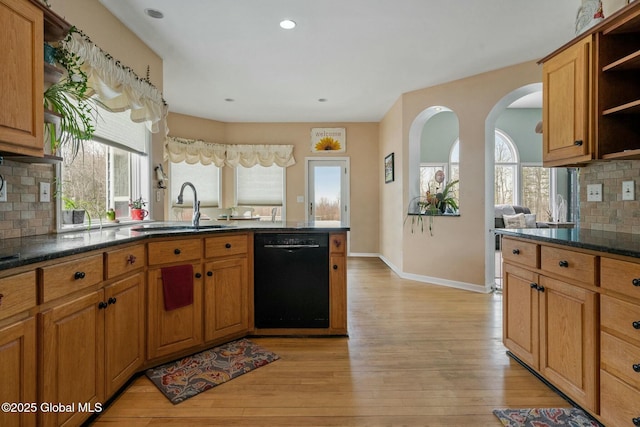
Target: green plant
{"x": 68, "y": 98}
{"x": 430, "y": 205}
{"x": 138, "y": 203}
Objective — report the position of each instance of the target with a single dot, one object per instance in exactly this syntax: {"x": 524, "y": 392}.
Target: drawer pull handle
{"x": 102, "y": 305}
{"x": 636, "y": 282}
{"x": 111, "y": 300}
{"x": 563, "y": 264}
{"x": 227, "y": 245}
{"x": 209, "y": 273}
{"x": 636, "y": 421}
{"x": 198, "y": 275}
{"x": 131, "y": 259}
{"x": 636, "y": 325}
{"x": 636, "y": 367}
{"x": 176, "y": 251}
{"x": 79, "y": 275}
{"x": 516, "y": 251}
{"x": 578, "y": 143}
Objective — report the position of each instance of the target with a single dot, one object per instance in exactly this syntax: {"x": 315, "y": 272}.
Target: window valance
{"x": 116, "y": 86}
{"x": 247, "y": 155}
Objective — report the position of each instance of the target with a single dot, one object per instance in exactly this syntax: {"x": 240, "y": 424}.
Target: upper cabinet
{"x": 24, "y": 26}
{"x": 591, "y": 94}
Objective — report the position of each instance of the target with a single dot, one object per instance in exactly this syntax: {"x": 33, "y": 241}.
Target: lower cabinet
{"x": 174, "y": 330}
{"x": 18, "y": 372}
{"x": 226, "y": 287}
{"x": 90, "y": 347}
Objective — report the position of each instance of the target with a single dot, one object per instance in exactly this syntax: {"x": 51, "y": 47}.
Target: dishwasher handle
{"x": 290, "y": 246}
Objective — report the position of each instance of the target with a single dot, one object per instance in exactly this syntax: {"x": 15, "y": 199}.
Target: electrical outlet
{"x": 628, "y": 190}
{"x": 3, "y": 191}
{"x": 45, "y": 192}
{"x": 594, "y": 192}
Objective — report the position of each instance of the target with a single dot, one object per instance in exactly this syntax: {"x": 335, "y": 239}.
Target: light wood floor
{"x": 417, "y": 355}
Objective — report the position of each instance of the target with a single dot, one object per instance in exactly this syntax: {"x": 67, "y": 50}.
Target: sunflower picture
{"x": 328, "y": 139}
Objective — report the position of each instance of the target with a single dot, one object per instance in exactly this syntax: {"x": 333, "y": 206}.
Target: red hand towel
{"x": 177, "y": 285}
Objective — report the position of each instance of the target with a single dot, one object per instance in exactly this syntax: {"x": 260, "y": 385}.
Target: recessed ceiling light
{"x": 322, "y": 99}
{"x": 154, "y": 13}
{"x": 287, "y": 24}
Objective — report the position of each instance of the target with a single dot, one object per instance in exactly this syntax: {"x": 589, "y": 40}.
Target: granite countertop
{"x": 21, "y": 251}
{"x": 602, "y": 241}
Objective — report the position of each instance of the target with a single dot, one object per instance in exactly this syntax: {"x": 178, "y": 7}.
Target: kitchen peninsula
{"x": 92, "y": 303}
{"x": 571, "y": 309}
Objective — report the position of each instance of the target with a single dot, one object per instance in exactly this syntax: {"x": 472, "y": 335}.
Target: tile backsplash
{"x": 23, "y": 214}
{"x": 613, "y": 213}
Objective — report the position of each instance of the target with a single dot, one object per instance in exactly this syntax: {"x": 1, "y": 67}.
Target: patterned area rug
{"x": 549, "y": 417}
{"x": 194, "y": 374}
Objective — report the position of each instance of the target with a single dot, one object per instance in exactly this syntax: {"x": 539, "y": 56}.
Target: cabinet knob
{"x": 227, "y": 245}
{"x": 131, "y": 259}
{"x": 563, "y": 264}
{"x": 111, "y": 300}
{"x": 516, "y": 251}
{"x": 102, "y": 305}
{"x": 636, "y": 282}
{"x": 79, "y": 275}
{"x": 636, "y": 421}
{"x": 636, "y": 325}
{"x": 636, "y": 367}
{"x": 198, "y": 275}
{"x": 578, "y": 142}
{"x": 176, "y": 251}
{"x": 209, "y": 273}
{"x": 335, "y": 266}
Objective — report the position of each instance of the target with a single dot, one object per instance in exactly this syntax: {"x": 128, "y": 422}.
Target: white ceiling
{"x": 360, "y": 55}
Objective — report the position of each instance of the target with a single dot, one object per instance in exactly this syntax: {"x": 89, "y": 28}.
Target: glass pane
{"x": 427, "y": 178}
{"x": 504, "y": 191}
{"x": 327, "y": 193}
{"x": 120, "y": 173}
{"x": 536, "y": 190}
{"x": 503, "y": 152}
{"x": 204, "y": 178}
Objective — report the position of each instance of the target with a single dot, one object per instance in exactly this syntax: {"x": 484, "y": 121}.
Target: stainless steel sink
{"x": 149, "y": 228}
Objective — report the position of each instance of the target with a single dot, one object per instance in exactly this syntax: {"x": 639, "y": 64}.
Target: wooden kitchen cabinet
{"x": 18, "y": 371}
{"x": 72, "y": 357}
{"x": 22, "y": 83}
{"x": 549, "y": 324}
{"x": 567, "y": 111}
{"x": 338, "y": 282}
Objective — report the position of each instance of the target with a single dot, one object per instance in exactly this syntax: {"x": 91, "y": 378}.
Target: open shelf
{"x": 624, "y": 155}
{"x": 629, "y": 62}
{"x": 628, "y": 108}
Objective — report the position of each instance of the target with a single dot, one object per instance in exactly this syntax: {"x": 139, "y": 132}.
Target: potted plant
{"x": 430, "y": 205}
{"x": 73, "y": 212}
{"x": 137, "y": 209}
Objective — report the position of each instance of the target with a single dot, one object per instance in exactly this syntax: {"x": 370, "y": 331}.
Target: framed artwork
{"x": 388, "y": 169}
{"x": 328, "y": 139}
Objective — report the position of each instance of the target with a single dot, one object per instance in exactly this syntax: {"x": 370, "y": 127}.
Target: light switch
{"x": 594, "y": 192}
{"x": 628, "y": 190}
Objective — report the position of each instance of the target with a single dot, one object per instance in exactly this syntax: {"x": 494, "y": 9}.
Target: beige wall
{"x": 456, "y": 251}
{"x": 362, "y": 150}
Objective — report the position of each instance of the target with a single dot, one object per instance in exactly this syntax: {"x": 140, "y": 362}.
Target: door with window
{"x": 328, "y": 191}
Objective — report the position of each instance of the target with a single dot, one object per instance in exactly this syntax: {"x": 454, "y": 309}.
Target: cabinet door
{"x": 18, "y": 371}
{"x": 566, "y": 110}
{"x": 520, "y": 314}
{"x": 338, "y": 293}
{"x": 72, "y": 368}
{"x": 568, "y": 334}
{"x": 124, "y": 331}
{"x": 225, "y": 298}
{"x": 174, "y": 330}
{"x": 22, "y": 82}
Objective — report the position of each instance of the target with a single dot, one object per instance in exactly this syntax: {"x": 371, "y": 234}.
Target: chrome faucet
{"x": 195, "y": 220}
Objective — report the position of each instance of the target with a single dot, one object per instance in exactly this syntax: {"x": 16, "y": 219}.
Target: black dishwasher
{"x": 291, "y": 280}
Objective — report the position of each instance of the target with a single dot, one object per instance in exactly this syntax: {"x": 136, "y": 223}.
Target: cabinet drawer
{"x": 67, "y": 277}
{"x": 17, "y": 293}
{"x": 521, "y": 252}
{"x": 174, "y": 251}
{"x": 620, "y": 358}
{"x": 620, "y": 317}
{"x": 620, "y": 276}
{"x": 570, "y": 264}
{"x": 233, "y": 244}
{"x": 120, "y": 261}
{"x": 619, "y": 402}
{"x": 338, "y": 243}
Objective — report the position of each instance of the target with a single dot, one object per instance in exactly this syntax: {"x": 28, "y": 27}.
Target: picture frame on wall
{"x": 388, "y": 169}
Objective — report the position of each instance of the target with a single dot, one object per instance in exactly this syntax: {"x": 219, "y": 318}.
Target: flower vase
{"x": 139, "y": 214}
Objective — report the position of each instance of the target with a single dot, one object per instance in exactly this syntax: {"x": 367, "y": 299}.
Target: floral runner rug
{"x": 194, "y": 374}
{"x": 547, "y": 417}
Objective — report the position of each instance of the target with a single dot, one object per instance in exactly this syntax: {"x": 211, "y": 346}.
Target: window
{"x": 206, "y": 180}
{"x": 427, "y": 176}
{"x": 536, "y": 189}
{"x": 506, "y": 168}
{"x": 261, "y": 188}
{"x": 106, "y": 173}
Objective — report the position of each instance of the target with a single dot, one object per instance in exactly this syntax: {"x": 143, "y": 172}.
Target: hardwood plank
{"x": 417, "y": 354}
